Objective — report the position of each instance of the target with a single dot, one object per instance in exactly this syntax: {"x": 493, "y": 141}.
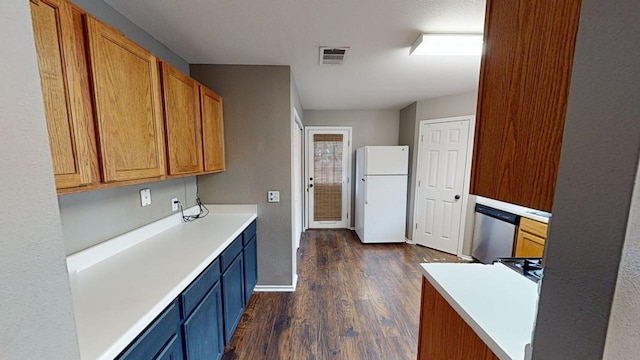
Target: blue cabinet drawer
{"x": 191, "y": 297}
{"x": 249, "y": 233}
{"x": 231, "y": 252}
{"x": 155, "y": 338}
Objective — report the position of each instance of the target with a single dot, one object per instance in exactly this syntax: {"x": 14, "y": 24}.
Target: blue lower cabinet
{"x": 250, "y": 268}
{"x": 155, "y": 339}
{"x": 232, "y": 296}
{"x": 173, "y": 350}
{"x": 203, "y": 331}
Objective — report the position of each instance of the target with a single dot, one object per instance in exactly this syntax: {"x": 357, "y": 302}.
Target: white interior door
{"x": 442, "y": 167}
{"x": 328, "y": 177}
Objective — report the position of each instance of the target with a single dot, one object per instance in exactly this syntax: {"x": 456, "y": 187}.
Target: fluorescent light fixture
{"x": 447, "y": 44}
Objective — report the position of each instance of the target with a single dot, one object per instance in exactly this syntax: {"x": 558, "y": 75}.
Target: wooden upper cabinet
{"x": 67, "y": 103}
{"x": 212, "y": 130}
{"x": 181, "y": 97}
{"x": 128, "y": 105}
{"x": 522, "y": 101}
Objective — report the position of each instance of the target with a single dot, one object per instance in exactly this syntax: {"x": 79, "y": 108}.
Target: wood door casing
{"x": 67, "y": 109}
{"x": 127, "y": 105}
{"x": 182, "y": 121}
{"x": 522, "y": 101}
{"x": 212, "y": 130}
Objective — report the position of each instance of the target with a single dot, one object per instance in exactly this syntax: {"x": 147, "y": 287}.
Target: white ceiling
{"x": 378, "y": 72}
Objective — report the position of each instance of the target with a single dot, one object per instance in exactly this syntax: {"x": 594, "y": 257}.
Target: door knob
{"x": 457, "y": 197}
{"x": 310, "y": 185}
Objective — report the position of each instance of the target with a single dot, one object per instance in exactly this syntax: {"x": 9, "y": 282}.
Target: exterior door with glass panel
{"x": 328, "y": 175}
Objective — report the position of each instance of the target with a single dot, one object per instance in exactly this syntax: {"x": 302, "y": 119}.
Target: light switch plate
{"x": 273, "y": 196}
{"x": 145, "y": 197}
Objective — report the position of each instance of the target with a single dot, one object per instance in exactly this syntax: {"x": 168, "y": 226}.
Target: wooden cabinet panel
{"x": 534, "y": 227}
{"x": 528, "y": 245}
{"x": 522, "y": 101}
{"x": 181, "y": 97}
{"x": 213, "y": 130}
{"x": 443, "y": 334}
{"x": 63, "y": 74}
{"x": 127, "y": 105}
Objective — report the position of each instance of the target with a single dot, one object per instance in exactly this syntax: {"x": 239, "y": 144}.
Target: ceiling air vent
{"x": 333, "y": 55}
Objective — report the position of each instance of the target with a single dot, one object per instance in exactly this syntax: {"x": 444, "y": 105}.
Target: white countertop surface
{"x": 499, "y": 304}
{"x": 533, "y": 214}
{"x": 116, "y": 298}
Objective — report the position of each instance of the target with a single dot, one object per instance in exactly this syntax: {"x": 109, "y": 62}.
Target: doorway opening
{"x": 328, "y": 177}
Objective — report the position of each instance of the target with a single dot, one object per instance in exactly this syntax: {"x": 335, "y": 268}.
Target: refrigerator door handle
{"x": 364, "y": 188}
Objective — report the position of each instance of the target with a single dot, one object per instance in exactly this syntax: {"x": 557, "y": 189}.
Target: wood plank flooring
{"x": 353, "y": 301}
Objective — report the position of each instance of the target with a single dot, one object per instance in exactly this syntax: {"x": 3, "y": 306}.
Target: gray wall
{"x": 105, "y": 13}
{"x": 598, "y": 166}
{"x": 406, "y": 136}
{"x": 92, "y": 217}
{"x": 35, "y": 306}
{"x": 257, "y": 131}
{"x": 624, "y": 323}
{"x": 440, "y": 107}
{"x": 369, "y": 127}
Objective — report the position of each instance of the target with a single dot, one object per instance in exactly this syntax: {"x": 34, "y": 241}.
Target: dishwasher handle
{"x": 498, "y": 214}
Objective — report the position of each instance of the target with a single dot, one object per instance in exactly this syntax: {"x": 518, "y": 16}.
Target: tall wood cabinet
{"x": 522, "y": 101}
{"x": 128, "y": 105}
{"x": 67, "y": 103}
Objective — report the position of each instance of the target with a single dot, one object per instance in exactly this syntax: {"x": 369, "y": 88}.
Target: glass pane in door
{"x": 327, "y": 174}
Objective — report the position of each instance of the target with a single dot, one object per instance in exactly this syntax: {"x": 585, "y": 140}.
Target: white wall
{"x": 436, "y": 108}
{"x": 624, "y": 329}
{"x": 36, "y": 314}
{"x": 369, "y": 127}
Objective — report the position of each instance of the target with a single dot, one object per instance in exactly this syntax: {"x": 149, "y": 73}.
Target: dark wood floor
{"x": 353, "y": 301}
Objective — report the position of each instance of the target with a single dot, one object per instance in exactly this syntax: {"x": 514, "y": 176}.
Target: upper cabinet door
{"x": 522, "y": 101}
{"x": 67, "y": 108}
{"x": 128, "y": 105}
{"x": 182, "y": 121}
{"x": 213, "y": 130}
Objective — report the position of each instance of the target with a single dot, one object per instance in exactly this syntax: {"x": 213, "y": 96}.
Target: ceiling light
{"x": 447, "y": 44}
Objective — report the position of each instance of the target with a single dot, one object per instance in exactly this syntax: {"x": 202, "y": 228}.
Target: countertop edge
{"x": 512, "y": 208}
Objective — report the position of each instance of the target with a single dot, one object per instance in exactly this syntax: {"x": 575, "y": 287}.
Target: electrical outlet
{"x": 174, "y": 204}
{"x": 145, "y": 197}
{"x": 273, "y": 196}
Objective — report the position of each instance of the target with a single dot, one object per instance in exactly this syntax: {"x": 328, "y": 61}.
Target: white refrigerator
{"x": 381, "y": 193}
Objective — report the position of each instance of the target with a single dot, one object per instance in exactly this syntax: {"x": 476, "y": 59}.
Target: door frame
{"x": 348, "y": 168}
{"x": 467, "y": 175}
{"x": 296, "y": 125}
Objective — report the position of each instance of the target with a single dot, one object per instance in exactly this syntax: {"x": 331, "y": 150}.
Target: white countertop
{"x": 116, "y": 298}
{"x": 499, "y": 304}
{"x": 533, "y": 214}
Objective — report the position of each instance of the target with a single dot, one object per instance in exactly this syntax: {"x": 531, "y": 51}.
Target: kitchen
{"x": 610, "y": 146}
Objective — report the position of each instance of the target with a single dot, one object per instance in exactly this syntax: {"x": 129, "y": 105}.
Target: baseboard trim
{"x": 278, "y": 288}
{"x": 465, "y": 257}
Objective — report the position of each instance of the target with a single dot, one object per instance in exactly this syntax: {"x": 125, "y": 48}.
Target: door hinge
{"x": 416, "y": 226}
{"x": 419, "y": 182}
{"x": 421, "y": 138}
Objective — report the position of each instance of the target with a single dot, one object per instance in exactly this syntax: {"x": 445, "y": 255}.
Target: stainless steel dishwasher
{"x": 493, "y": 234}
